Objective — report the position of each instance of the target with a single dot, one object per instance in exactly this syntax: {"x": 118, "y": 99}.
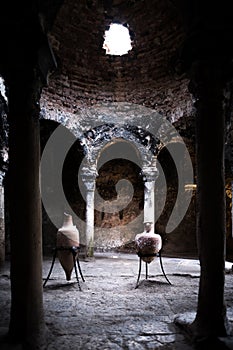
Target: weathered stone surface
{"x": 109, "y": 313}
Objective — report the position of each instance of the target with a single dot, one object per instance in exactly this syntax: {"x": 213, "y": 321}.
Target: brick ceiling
{"x": 146, "y": 75}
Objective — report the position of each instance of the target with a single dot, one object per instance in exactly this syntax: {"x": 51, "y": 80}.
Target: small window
{"x": 117, "y": 40}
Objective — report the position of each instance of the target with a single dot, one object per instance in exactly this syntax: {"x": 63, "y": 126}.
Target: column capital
{"x": 150, "y": 173}
{"x": 88, "y": 176}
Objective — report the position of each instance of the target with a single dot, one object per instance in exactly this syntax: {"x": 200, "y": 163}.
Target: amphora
{"x": 148, "y": 244}
{"x": 67, "y": 241}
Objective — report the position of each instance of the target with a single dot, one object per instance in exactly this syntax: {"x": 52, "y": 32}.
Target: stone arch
{"x": 120, "y": 151}
{"x": 99, "y": 138}
{"x": 94, "y": 140}
{"x": 120, "y": 140}
{"x": 119, "y": 196}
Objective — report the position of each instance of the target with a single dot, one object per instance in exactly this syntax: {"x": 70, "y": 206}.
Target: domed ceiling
{"x": 86, "y": 75}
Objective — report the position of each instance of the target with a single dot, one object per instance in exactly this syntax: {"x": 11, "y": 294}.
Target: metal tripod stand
{"x": 140, "y": 255}
{"x": 74, "y": 251}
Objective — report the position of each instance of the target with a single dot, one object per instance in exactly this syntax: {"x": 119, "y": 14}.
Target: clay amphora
{"x": 67, "y": 237}
{"x": 148, "y": 242}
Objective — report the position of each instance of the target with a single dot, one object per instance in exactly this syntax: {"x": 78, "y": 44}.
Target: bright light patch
{"x": 2, "y": 89}
{"x": 117, "y": 40}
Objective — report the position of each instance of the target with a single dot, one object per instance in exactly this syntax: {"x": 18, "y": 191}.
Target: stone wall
{"x": 116, "y": 230}
{"x": 90, "y": 89}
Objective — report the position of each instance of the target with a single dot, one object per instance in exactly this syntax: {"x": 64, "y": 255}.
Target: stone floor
{"x": 109, "y": 313}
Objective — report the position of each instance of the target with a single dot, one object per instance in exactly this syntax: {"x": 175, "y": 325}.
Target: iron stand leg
{"x": 139, "y": 272}
{"x": 146, "y": 270}
{"x": 79, "y": 268}
{"x": 140, "y": 265}
{"x": 161, "y": 264}
{"x": 51, "y": 268}
{"x": 73, "y": 251}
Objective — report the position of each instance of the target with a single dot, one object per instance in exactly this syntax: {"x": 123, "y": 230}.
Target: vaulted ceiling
{"x": 166, "y": 36}
{"x": 147, "y": 75}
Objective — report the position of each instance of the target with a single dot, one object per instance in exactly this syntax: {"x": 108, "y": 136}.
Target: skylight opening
{"x": 117, "y": 40}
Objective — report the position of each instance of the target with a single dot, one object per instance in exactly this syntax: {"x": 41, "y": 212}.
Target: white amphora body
{"x": 148, "y": 244}
{"x": 67, "y": 237}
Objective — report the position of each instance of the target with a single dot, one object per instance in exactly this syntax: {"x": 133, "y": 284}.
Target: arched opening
{"x": 70, "y": 186}
{"x": 181, "y": 242}
{"x": 49, "y": 230}
{"x": 119, "y": 203}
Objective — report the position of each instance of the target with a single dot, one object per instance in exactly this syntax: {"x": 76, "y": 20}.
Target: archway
{"x": 118, "y": 207}
{"x": 181, "y": 241}
{"x": 101, "y": 138}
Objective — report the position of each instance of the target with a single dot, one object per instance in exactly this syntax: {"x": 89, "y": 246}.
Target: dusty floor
{"x": 109, "y": 313}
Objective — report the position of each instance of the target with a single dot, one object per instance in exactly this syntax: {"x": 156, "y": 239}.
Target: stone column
{"x": 88, "y": 178}
{"x": 207, "y": 84}
{"x": 25, "y": 65}
{"x": 27, "y": 317}
{"x": 2, "y": 223}
{"x": 232, "y": 209}
{"x": 149, "y": 176}
{"x": 207, "y": 58}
